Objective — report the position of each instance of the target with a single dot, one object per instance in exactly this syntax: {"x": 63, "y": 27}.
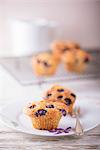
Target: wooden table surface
{"x": 13, "y": 140}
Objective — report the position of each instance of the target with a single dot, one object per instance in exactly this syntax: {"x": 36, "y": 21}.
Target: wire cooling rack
{"x": 20, "y": 68}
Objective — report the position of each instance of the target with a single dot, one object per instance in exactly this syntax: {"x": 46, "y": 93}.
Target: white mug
{"x": 31, "y": 37}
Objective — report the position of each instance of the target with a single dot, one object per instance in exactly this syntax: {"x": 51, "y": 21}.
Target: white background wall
{"x": 78, "y": 19}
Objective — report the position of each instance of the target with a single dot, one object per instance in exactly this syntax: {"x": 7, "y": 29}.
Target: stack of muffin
{"x": 46, "y": 114}
{"x": 69, "y": 53}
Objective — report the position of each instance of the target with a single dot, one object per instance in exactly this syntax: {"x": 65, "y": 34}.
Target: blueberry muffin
{"x": 44, "y": 116}
{"x": 76, "y": 61}
{"x": 60, "y": 94}
{"x": 44, "y": 64}
{"x": 72, "y": 45}
{"x": 60, "y": 47}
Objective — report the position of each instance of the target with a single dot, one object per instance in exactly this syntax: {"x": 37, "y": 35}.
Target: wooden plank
{"x": 11, "y": 140}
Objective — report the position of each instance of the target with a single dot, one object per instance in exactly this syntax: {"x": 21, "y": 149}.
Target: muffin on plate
{"x": 44, "y": 64}
{"x": 60, "y": 94}
{"x": 76, "y": 61}
{"x": 44, "y": 116}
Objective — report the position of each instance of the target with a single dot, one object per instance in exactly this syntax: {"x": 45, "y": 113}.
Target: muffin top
{"x": 45, "y": 60}
{"x": 60, "y": 94}
{"x": 29, "y": 109}
{"x": 44, "y": 108}
{"x": 72, "y": 45}
{"x": 76, "y": 57}
{"x": 55, "y": 105}
{"x": 58, "y": 45}
{"x": 63, "y": 46}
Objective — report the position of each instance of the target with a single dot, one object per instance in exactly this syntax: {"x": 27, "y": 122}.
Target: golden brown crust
{"x": 58, "y": 105}
{"x": 76, "y": 61}
{"x": 60, "y": 47}
{"x": 44, "y": 64}
{"x": 29, "y": 108}
{"x": 72, "y": 45}
{"x": 60, "y": 94}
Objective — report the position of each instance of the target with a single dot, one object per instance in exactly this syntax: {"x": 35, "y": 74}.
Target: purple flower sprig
{"x": 60, "y": 130}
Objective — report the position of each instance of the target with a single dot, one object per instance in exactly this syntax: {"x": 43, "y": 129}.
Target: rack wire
{"x": 21, "y": 69}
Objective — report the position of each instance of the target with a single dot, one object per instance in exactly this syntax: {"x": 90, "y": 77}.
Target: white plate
{"x": 89, "y": 118}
